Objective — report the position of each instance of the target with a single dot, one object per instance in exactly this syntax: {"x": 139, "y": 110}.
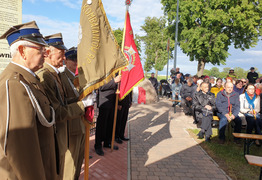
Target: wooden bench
{"x": 249, "y": 140}
{"x": 256, "y": 161}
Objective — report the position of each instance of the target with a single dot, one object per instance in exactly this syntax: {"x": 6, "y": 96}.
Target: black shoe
{"x": 109, "y": 146}
{"x": 118, "y": 140}
{"x": 100, "y": 152}
{"x": 208, "y": 139}
{"x": 200, "y": 135}
{"x": 124, "y": 139}
{"x": 90, "y": 157}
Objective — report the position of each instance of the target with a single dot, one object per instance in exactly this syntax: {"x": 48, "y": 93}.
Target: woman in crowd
{"x": 218, "y": 87}
{"x": 238, "y": 87}
{"x": 204, "y": 106}
{"x": 250, "y": 107}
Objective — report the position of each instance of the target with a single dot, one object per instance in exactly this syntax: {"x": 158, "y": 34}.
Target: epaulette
{"x": 16, "y": 76}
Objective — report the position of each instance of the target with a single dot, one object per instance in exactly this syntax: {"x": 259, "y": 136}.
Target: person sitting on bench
{"x": 250, "y": 107}
{"x": 228, "y": 106}
{"x": 204, "y": 104}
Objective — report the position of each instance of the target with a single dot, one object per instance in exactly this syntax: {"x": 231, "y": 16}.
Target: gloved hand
{"x": 88, "y": 100}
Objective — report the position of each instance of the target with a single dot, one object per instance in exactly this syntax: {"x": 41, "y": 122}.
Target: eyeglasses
{"x": 40, "y": 48}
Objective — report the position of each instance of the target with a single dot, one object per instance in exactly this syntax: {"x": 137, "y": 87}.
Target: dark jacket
{"x": 154, "y": 82}
{"x": 200, "y": 100}
{"x": 106, "y": 97}
{"x": 223, "y": 102}
{"x": 187, "y": 91}
{"x": 252, "y": 77}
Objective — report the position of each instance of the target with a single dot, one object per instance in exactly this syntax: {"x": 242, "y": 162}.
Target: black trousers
{"x": 187, "y": 105}
{"x": 104, "y": 126}
{"x": 122, "y": 116}
{"x": 206, "y": 125}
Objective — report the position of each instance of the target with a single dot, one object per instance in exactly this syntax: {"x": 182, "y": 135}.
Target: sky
{"x": 54, "y": 16}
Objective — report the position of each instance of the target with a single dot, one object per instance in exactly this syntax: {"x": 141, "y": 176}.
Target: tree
{"x": 155, "y": 42}
{"x": 119, "y": 38}
{"x": 208, "y": 28}
{"x": 214, "y": 71}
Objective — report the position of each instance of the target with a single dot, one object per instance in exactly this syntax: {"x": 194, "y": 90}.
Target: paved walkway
{"x": 160, "y": 148}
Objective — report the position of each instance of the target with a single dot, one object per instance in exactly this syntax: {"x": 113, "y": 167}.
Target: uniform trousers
{"x": 74, "y": 157}
{"x": 104, "y": 126}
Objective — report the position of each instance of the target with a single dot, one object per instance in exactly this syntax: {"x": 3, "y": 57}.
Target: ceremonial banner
{"x": 133, "y": 73}
{"x": 99, "y": 56}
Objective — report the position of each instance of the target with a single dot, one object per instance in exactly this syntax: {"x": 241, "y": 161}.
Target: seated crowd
{"x": 232, "y": 100}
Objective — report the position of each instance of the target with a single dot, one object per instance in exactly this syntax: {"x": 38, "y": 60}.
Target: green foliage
{"x": 155, "y": 42}
{"x": 214, "y": 71}
{"x": 208, "y": 28}
{"x": 119, "y": 38}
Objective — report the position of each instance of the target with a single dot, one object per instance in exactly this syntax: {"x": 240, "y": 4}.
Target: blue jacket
{"x": 223, "y": 103}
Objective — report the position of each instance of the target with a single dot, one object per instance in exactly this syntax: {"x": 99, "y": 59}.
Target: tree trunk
{"x": 200, "y": 67}
{"x": 145, "y": 73}
{"x": 156, "y": 73}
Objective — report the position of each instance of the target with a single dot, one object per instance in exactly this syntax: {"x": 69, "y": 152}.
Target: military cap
{"x": 55, "y": 40}
{"x": 71, "y": 53}
{"x": 27, "y": 31}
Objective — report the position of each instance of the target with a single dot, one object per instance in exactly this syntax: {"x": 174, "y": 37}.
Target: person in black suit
{"x": 122, "y": 115}
{"x": 104, "y": 125}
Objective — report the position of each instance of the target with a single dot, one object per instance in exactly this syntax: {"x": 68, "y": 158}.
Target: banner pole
{"x": 115, "y": 116}
{"x": 87, "y": 127}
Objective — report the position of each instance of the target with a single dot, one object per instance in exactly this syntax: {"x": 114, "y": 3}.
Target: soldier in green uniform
{"x": 76, "y": 130}
{"x": 51, "y": 80}
{"x": 27, "y": 146}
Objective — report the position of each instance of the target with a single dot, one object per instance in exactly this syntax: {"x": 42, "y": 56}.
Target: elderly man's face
{"x": 57, "y": 56}
{"x": 204, "y": 87}
{"x": 189, "y": 83}
{"x": 35, "y": 56}
{"x": 229, "y": 87}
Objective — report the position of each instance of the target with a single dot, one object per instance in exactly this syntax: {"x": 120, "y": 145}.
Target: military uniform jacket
{"x": 75, "y": 126}
{"x": 30, "y": 148}
{"x": 56, "y": 93}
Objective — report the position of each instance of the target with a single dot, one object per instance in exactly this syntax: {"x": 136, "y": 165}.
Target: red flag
{"x": 133, "y": 73}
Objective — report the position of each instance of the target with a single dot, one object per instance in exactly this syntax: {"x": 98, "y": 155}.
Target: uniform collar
{"x": 56, "y": 70}
{"x": 25, "y": 68}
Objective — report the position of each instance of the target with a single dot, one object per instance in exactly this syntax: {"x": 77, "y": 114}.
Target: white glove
{"x": 88, "y": 100}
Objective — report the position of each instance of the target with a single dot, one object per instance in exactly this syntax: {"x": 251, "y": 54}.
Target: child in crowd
{"x": 176, "y": 87}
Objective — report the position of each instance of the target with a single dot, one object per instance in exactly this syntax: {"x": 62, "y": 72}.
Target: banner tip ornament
{"x": 128, "y": 2}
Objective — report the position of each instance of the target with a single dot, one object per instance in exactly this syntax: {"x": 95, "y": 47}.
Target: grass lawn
{"x": 230, "y": 156}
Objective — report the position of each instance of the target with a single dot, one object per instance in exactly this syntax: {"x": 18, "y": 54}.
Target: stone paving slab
{"x": 111, "y": 166}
